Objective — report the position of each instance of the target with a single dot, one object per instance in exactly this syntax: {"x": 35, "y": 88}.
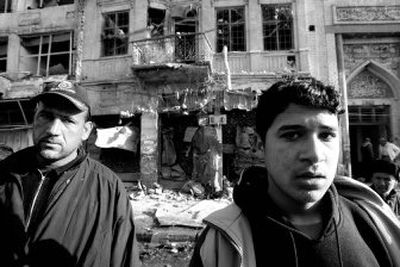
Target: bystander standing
{"x": 58, "y": 207}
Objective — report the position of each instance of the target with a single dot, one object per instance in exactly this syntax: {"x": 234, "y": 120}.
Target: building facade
{"x": 157, "y": 70}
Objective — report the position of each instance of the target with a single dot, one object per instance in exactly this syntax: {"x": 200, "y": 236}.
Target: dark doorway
{"x": 367, "y": 121}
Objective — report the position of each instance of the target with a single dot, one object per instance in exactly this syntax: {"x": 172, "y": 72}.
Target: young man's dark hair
{"x": 306, "y": 92}
{"x": 296, "y": 211}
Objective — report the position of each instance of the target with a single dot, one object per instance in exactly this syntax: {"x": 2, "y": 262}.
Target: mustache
{"x": 49, "y": 138}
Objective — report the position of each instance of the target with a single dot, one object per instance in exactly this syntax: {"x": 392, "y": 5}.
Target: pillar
{"x": 149, "y": 149}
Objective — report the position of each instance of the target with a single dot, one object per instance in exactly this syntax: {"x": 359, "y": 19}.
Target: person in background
{"x": 385, "y": 178}
{"x": 59, "y": 207}
{"x": 387, "y": 150}
{"x": 367, "y": 157}
{"x": 296, "y": 211}
{"x": 206, "y": 152}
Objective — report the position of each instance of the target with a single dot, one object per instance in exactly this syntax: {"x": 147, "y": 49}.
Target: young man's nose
{"x": 312, "y": 150}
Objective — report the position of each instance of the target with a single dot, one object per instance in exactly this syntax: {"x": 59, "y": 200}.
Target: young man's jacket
{"x": 361, "y": 230}
{"x": 84, "y": 219}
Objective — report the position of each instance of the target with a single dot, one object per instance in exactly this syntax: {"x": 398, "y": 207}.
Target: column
{"x": 149, "y": 149}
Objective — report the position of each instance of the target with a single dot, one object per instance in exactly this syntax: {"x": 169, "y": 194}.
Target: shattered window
{"x": 5, "y": 6}
{"x": 3, "y": 54}
{"x": 49, "y": 3}
{"x": 155, "y": 22}
{"x": 231, "y": 29}
{"x": 277, "y": 27}
{"x": 115, "y": 33}
{"x": 47, "y": 54}
{"x": 16, "y": 112}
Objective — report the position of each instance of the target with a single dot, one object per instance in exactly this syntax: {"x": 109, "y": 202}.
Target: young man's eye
{"x": 290, "y": 136}
{"x": 327, "y": 136}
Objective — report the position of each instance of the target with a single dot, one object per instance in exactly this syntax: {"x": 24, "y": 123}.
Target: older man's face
{"x": 57, "y": 133}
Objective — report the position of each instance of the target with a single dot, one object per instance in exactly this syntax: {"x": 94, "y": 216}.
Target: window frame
{"x": 48, "y": 54}
{"x": 4, "y": 41}
{"x": 7, "y": 7}
{"x": 279, "y": 45}
{"x": 231, "y": 42}
{"x": 115, "y": 37}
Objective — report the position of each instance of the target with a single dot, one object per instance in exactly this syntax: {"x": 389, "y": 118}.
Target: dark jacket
{"x": 86, "y": 218}
{"x": 359, "y": 230}
{"x": 393, "y": 200}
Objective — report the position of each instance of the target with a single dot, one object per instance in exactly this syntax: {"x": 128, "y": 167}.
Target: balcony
{"x": 188, "y": 48}
{"x": 175, "y": 58}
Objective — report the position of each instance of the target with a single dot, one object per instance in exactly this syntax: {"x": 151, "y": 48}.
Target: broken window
{"x": 277, "y": 26}
{"x": 115, "y": 33}
{"x": 49, "y": 3}
{"x": 16, "y": 112}
{"x": 47, "y": 54}
{"x": 5, "y": 6}
{"x": 3, "y": 54}
{"x": 231, "y": 29}
{"x": 155, "y": 22}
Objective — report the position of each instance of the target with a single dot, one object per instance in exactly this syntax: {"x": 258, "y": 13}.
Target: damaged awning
{"x": 193, "y": 100}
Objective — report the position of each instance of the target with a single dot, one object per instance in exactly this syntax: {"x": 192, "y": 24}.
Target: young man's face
{"x": 383, "y": 183}
{"x": 301, "y": 155}
{"x": 57, "y": 133}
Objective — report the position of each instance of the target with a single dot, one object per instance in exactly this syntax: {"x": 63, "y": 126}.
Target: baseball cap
{"x": 68, "y": 90}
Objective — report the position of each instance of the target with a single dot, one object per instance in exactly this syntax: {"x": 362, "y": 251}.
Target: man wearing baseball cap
{"x": 385, "y": 178}
{"x": 58, "y": 207}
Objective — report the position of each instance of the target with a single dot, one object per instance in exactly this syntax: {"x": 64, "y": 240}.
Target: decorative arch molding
{"x": 379, "y": 71}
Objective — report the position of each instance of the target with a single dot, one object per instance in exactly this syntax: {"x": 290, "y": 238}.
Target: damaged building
{"x": 173, "y": 83}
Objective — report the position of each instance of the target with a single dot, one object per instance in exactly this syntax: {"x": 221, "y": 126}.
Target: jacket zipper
{"x": 42, "y": 178}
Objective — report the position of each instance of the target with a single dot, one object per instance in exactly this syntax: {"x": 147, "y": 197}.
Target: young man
{"x": 293, "y": 213}
{"x": 384, "y": 180}
{"x": 58, "y": 207}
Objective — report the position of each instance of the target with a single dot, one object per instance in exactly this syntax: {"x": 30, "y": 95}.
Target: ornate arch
{"x": 380, "y": 72}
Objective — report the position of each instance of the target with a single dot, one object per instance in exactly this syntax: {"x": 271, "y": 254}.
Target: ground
{"x": 163, "y": 255}
{"x": 167, "y": 222}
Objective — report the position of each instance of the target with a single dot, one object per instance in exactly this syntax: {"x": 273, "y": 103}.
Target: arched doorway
{"x": 371, "y": 92}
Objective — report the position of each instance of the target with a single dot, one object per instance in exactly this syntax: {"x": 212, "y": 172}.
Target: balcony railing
{"x": 177, "y": 48}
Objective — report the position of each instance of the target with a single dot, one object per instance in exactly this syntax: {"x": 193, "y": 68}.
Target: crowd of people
{"x": 59, "y": 207}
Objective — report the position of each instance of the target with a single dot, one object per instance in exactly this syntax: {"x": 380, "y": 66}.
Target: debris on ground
{"x": 166, "y": 254}
{"x": 171, "y": 208}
